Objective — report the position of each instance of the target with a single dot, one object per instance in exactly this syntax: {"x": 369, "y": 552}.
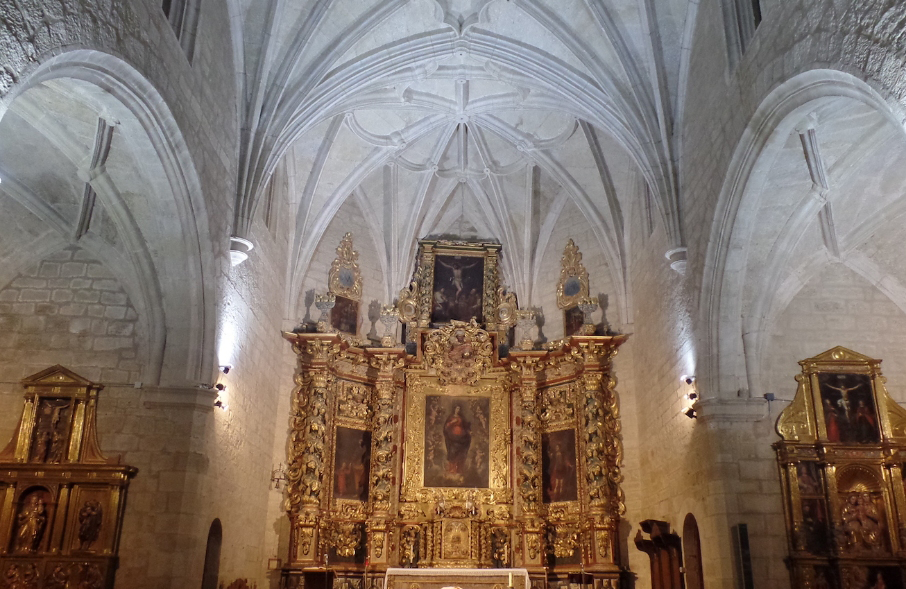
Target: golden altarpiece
{"x": 62, "y": 500}
{"x": 452, "y": 450}
{"x": 841, "y": 468}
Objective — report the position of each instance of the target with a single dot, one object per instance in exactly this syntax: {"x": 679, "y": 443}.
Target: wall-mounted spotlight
{"x": 690, "y": 413}
{"x": 226, "y": 368}
{"x": 688, "y": 378}
{"x": 221, "y": 401}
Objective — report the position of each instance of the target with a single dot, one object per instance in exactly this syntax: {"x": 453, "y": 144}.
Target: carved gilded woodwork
{"x": 345, "y": 278}
{"x": 460, "y": 353}
{"x": 456, "y": 280}
{"x": 840, "y": 461}
{"x": 456, "y": 476}
{"x": 61, "y": 500}
{"x": 573, "y": 284}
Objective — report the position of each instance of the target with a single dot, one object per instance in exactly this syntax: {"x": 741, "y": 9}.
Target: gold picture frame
{"x": 436, "y": 463}
{"x": 573, "y": 285}
{"x": 345, "y": 278}
{"x": 457, "y": 280}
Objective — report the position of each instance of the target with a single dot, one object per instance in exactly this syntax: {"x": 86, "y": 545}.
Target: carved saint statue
{"x": 90, "y": 518}
{"x": 500, "y": 548}
{"x": 409, "y": 550}
{"x": 32, "y": 520}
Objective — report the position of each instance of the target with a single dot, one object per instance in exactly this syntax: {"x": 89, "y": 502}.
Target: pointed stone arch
{"x": 727, "y": 363}
{"x": 183, "y": 326}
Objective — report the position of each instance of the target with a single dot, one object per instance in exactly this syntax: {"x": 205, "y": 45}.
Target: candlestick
{"x": 510, "y": 580}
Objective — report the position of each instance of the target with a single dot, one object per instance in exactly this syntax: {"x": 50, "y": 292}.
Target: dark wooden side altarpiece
{"x": 61, "y": 501}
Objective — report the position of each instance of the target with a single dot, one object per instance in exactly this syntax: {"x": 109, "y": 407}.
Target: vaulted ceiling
{"x": 466, "y": 117}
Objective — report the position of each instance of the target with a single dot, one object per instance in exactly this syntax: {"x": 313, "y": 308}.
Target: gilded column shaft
{"x": 603, "y": 448}
{"x": 528, "y": 456}
{"x": 306, "y": 448}
{"x": 384, "y": 445}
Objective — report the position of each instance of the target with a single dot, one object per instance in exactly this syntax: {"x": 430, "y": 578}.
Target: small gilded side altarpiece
{"x": 435, "y": 458}
{"x": 841, "y": 461}
{"x": 61, "y": 500}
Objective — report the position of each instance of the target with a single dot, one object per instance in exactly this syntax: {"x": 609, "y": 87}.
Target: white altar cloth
{"x": 398, "y": 578}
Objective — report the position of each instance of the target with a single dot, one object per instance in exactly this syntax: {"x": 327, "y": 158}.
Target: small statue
{"x": 32, "y": 520}
{"x": 90, "y": 518}
{"x": 409, "y": 550}
{"x": 500, "y": 548}
{"x": 42, "y": 445}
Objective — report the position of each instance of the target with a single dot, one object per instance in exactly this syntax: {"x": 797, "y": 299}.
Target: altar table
{"x": 397, "y": 578}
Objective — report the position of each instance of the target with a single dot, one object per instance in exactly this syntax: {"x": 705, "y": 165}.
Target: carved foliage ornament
{"x": 346, "y": 537}
{"x": 460, "y": 352}
{"x": 344, "y": 278}
{"x": 573, "y": 285}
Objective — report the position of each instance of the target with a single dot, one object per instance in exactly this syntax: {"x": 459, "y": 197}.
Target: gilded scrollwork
{"x": 563, "y": 539}
{"x": 573, "y": 284}
{"x": 603, "y": 539}
{"x": 345, "y": 278}
{"x": 345, "y": 537}
{"x": 383, "y": 449}
{"x": 353, "y": 401}
{"x": 506, "y": 309}
{"x": 460, "y": 352}
{"x": 558, "y": 404}
{"x": 306, "y": 452}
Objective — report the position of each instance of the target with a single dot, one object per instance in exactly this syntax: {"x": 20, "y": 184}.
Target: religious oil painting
{"x": 344, "y": 316}
{"x": 825, "y": 578}
{"x": 814, "y": 526}
{"x": 573, "y": 320}
{"x": 558, "y": 466}
{"x": 877, "y": 577}
{"x": 807, "y": 476}
{"x": 849, "y": 409}
{"x": 457, "y": 441}
{"x": 352, "y": 462}
{"x": 458, "y": 288}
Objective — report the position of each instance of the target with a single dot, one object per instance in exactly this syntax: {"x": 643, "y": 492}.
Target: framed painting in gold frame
{"x": 457, "y": 281}
{"x": 456, "y": 440}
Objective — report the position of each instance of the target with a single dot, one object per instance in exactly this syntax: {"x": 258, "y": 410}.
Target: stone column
{"x": 527, "y": 459}
{"x": 385, "y": 441}
{"x": 306, "y": 446}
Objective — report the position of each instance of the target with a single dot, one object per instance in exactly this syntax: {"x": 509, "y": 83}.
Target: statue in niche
{"x": 90, "y": 519}
{"x": 861, "y": 522}
{"x": 32, "y": 520}
{"x": 500, "y": 548}
{"x": 409, "y": 550}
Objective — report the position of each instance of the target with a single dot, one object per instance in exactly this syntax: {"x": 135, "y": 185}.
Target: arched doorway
{"x": 211, "y": 574}
{"x": 692, "y": 550}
